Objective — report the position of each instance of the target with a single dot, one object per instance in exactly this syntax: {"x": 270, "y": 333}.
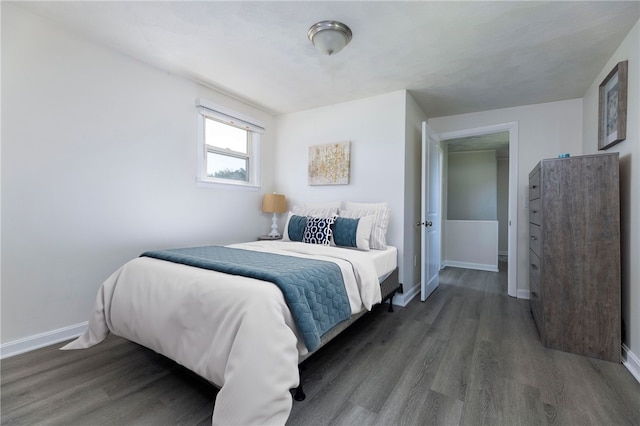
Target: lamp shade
{"x": 274, "y": 203}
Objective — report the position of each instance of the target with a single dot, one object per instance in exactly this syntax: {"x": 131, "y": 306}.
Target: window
{"x": 229, "y": 147}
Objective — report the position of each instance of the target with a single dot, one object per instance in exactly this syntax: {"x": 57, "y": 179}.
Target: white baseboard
{"x": 523, "y": 294}
{"x": 631, "y": 361}
{"x": 402, "y": 299}
{"x": 467, "y": 265}
{"x": 41, "y": 340}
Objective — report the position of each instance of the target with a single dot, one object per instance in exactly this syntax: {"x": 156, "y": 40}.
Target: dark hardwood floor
{"x": 469, "y": 355}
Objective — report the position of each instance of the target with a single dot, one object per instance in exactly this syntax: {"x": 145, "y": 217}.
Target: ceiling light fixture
{"x": 329, "y": 37}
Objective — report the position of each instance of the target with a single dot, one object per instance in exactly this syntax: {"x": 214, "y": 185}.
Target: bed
{"x": 235, "y": 331}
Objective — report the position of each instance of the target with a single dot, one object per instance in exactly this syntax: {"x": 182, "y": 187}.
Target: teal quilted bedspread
{"x": 313, "y": 289}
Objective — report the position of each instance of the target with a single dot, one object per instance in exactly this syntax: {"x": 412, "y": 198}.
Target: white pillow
{"x": 315, "y": 211}
{"x": 378, "y": 237}
{"x": 324, "y": 205}
{"x": 365, "y": 206}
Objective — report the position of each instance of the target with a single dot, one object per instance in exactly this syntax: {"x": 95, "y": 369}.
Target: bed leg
{"x": 299, "y": 395}
{"x": 391, "y": 302}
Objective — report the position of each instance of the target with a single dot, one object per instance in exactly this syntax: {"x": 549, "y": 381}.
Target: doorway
{"x": 512, "y": 220}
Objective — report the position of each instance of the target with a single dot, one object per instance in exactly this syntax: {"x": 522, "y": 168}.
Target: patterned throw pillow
{"x": 318, "y": 230}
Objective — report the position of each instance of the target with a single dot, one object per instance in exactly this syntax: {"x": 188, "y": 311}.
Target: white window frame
{"x": 255, "y": 128}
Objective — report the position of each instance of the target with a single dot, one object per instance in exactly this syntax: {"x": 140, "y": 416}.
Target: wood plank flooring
{"x": 469, "y": 355}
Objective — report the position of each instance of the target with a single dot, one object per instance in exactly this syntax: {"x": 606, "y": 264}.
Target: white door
{"x": 430, "y": 219}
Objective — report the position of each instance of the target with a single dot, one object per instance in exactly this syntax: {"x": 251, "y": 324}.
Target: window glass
{"x": 222, "y": 166}
{"x": 225, "y": 136}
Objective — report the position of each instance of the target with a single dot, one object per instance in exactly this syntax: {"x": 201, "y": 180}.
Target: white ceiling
{"x": 454, "y": 57}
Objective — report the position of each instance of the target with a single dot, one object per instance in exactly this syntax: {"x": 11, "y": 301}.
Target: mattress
{"x": 385, "y": 261}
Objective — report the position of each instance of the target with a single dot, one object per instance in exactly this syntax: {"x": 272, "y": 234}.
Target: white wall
{"x": 629, "y": 151}
{"x": 472, "y": 186}
{"x": 545, "y": 130}
{"x": 471, "y": 244}
{"x": 376, "y": 129}
{"x": 98, "y": 165}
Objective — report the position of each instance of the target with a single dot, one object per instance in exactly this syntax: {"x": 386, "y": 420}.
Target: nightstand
{"x": 268, "y": 238}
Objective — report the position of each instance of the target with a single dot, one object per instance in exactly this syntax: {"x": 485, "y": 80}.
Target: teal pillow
{"x": 297, "y": 224}
{"x": 345, "y": 232}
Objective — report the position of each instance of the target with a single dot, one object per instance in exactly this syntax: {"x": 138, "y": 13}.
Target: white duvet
{"x": 236, "y": 332}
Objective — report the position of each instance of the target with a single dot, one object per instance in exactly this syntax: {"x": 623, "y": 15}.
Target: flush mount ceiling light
{"x": 329, "y": 37}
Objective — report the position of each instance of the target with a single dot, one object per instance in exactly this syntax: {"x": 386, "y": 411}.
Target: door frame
{"x": 512, "y": 128}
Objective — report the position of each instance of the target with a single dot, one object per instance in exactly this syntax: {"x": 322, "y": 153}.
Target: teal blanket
{"x": 313, "y": 289}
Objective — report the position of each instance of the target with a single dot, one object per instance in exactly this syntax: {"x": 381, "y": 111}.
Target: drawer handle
{"x": 534, "y": 186}
{"x": 533, "y": 238}
{"x": 534, "y": 211}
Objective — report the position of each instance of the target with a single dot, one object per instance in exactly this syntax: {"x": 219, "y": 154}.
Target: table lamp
{"x": 274, "y": 203}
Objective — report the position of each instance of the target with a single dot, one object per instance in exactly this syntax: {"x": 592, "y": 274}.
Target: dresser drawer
{"x": 535, "y": 297}
{"x": 534, "y": 268}
{"x": 535, "y": 306}
{"x": 534, "y": 186}
{"x": 534, "y": 238}
{"x": 534, "y": 211}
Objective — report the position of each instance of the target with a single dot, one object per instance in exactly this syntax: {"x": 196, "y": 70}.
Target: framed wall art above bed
{"x": 330, "y": 164}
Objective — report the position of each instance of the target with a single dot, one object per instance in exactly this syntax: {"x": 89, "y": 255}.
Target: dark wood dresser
{"x": 574, "y": 242}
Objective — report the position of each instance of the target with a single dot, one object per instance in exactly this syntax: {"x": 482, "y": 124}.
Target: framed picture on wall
{"x": 330, "y": 164}
{"x": 612, "y": 122}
